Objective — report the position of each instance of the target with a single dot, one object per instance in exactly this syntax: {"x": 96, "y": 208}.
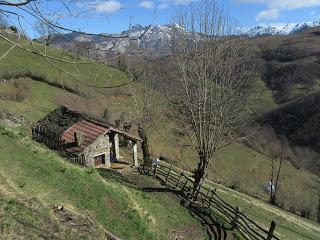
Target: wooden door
{"x": 98, "y": 160}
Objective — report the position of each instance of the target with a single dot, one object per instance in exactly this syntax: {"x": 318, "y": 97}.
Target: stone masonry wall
{"x": 100, "y": 146}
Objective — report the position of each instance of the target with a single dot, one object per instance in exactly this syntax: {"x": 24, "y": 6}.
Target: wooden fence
{"x": 54, "y": 141}
{"x": 210, "y": 200}
{"x": 51, "y": 139}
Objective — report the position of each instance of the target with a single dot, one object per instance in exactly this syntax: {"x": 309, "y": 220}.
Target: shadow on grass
{"x": 140, "y": 182}
{"x": 112, "y": 175}
{"x": 215, "y": 229}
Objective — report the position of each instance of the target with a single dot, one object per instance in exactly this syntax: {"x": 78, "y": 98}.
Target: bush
{"x": 13, "y": 29}
{"x": 305, "y": 212}
{"x": 15, "y": 90}
{"x": 236, "y": 184}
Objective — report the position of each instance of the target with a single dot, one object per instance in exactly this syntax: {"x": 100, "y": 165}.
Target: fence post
{"x": 155, "y": 169}
{"x": 177, "y": 185}
{"x": 236, "y": 216}
{"x": 213, "y": 192}
{"x": 271, "y": 230}
{"x": 184, "y": 186}
{"x": 209, "y": 190}
{"x": 168, "y": 173}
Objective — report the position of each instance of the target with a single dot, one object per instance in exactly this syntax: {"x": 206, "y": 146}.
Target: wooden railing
{"x": 50, "y": 138}
{"x": 209, "y": 199}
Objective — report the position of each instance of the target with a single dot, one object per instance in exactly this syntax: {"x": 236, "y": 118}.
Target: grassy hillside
{"x": 238, "y": 165}
{"x": 298, "y": 120}
{"x": 290, "y": 63}
{"x": 297, "y": 186}
{"x": 118, "y": 204}
{"x": 21, "y": 62}
{"x": 289, "y": 226}
{"x": 242, "y": 168}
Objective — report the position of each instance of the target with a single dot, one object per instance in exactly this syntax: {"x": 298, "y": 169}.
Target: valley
{"x": 128, "y": 83}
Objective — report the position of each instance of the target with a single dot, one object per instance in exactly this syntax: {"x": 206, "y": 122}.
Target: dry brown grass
{"x": 15, "y": 90}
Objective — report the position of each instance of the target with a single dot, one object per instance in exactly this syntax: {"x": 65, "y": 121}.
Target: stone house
{"x": 86, "y": 140}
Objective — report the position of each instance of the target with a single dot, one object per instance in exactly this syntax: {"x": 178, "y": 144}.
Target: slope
{"x": 237, "y": 158}
{"x": 20, "y": 63}
{"x": 129, "y": 210}
{"x": 289, "y": 64}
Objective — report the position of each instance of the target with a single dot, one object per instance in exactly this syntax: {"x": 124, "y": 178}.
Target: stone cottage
{"x": 86, "y": 140}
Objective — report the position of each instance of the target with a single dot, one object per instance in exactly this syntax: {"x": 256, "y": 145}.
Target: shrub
{"x": 22, "y": 90}
{"x": 13, "y": 29}
{"x": 305, "y": 212}
{"x": 236, "y": 184}
{"x": 15, "y": 90}
{"x": 106, "y": 115}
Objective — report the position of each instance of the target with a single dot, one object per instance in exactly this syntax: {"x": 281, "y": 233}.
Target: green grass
{"x": 19, "y": 61}
{"x": 236, "y": 163}
{"x": 289, "y": 226}
{"x": 124, "y": 209}
{"x": 296, "y": 185}
{"x": 242, "y": 166}
{"x": 27, "y": 217}
{"x": 42, "y": 99}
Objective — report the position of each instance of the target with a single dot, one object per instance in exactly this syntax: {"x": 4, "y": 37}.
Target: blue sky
{"x": 115, "y": 15}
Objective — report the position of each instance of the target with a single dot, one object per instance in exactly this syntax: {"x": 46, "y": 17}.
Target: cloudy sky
{"x": 116, "y": 15}
{"x": 247, "y": 12}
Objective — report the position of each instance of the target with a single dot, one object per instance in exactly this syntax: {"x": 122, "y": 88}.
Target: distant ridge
{"x": 281, "y": 29}
{"x": 156, "y": 39}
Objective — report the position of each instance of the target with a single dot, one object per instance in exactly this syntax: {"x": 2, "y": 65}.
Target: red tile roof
{"x": 90, "y": 132}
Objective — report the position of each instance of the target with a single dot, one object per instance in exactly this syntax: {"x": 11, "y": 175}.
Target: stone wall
{"x": 100, "y": 146}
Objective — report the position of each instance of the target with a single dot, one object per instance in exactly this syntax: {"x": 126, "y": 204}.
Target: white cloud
{"x": 164, "y": 5}
{"x": 167, "y": 3}
{"x": 268, "y": 14}
{"x": 109, "y": 6}
{"x": 275, "y": 7}
{"x": 146, "y": 4}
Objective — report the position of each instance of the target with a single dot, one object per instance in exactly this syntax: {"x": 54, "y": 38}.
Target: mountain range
{"x": 281, "y": 29}
{"x": 155, "y": 39}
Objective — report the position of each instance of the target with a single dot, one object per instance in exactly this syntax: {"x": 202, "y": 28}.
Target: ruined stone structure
{"x": 88, "y": 141}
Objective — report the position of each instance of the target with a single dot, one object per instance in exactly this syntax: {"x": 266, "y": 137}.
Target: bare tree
{"x": 211, "y": 94}
{"x": 318, "y": 214}
{"x": 45, "y": 32}
{"x": 144, "y": 98}
{"x": 277, "y": 156}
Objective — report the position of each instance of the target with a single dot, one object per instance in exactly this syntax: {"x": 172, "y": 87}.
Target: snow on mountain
{"x": 281, "y": 29}
{"x": 158, "y": 39}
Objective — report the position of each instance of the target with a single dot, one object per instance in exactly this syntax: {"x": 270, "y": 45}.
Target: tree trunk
{"x": 319, "y": 210}
{"x": 145, "y": 147}
{"x": 199, "y": 175}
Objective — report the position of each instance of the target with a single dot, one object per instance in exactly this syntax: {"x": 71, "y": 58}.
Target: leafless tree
{"x": 144, "y": 99}
{"x": 45, "y": 32}
{"x": 277, "y": 156}
{"x": 211, "y": 94}
{"x": 318, "y": 213}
